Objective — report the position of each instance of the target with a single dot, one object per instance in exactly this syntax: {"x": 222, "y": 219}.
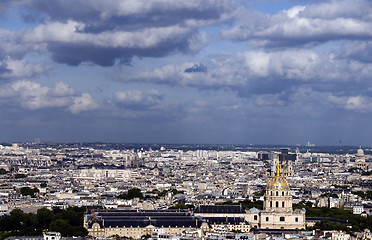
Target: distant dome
{"x": 360, "y": 152}
{"x": 278, "y": 182}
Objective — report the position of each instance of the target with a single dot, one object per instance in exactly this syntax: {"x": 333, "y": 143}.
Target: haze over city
{"x": 211, "y": 71}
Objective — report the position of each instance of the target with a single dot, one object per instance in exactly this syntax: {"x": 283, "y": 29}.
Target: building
{"x": 360, "y": 160}
{"x": 358, "y": 209}
{"x": 137, "y": 223}
{"x": 277, "y": 212}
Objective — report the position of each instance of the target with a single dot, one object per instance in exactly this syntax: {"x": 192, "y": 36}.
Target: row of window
{"x": 282, "y": 219}
{"x": 276, "y": 204}
{"x": 277, "y": 193}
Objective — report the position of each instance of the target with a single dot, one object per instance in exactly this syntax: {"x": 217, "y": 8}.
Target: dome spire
{"x": 278, "y": 170}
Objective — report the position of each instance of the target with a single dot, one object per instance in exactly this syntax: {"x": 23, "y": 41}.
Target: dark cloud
{"x": 105, "y": 33}
{"x": 131, "y": 15}
{"x": 105, "y": 54}
{"x": 140, "y": 13}
{"x": 196, "y": 68}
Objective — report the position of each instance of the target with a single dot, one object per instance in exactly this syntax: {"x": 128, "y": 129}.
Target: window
{"x": 296, "y": 219}
{"x": 277, "y": 193}
{"x": 283, "y": 193}
{"x": 282, "y": 219}
{"x": 271, "y": 193}
{"x": 282, "y": 204}
{"x": 271, "y": 204}
{"x": 267, "y": 219}
{"x": 255, "y": 217}
{"x": 277, "y": 204}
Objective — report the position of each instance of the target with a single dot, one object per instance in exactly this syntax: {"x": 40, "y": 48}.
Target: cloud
{"x": 83, "y": 103}
{"x": 257, "y": 72}
{"x": 113, "y": 32}
{"x": 196, "y": 68}
{"x": 13, "y": 46}
{"x": 358, "y": 50}
{"x": 357, "y": 103}
{"x": 145, "y": 106}
{"x": 33, "y": 96}
{"x": 70, "y": 44}
{"x": 305, "y": 25}
{"x": 135, "y": 14}
{"x": 139, "y": 100}
{"x": 18, "y": 69}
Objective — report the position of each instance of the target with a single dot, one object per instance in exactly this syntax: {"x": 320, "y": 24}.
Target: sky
{"x": 196, "y": 71}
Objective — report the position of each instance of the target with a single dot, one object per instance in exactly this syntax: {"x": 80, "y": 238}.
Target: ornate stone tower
{"x": 277, "y": 212}
{"x": 278, "y": 197}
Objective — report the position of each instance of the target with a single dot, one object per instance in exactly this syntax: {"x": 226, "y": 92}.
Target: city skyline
{"x": 211, "y": 71}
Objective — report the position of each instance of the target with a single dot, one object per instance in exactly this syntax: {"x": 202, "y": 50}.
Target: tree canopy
{"x": 68, "y": 222}
{"x": 28, "y": 191}
{"x": 357, "y": 222}
{"x": 132, "y": 193}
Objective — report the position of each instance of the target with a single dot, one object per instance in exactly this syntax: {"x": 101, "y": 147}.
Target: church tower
{"x": 277, "y": 211}
{"x": 278, "y": 197}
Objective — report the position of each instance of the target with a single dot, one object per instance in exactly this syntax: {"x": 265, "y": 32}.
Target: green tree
{"x": 327, "y": 225}
{"x": 44, "y": 217}
{"x": 29, "y": 191}
{"x": 356, "y": 221}
{"x": 60, "y": 225}
{"x": 68, "y": 222}
{"x": 132, "y": 193}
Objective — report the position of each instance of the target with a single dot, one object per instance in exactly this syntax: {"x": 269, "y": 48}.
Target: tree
{"x": 60, "y": 225}
{"x": 44, "y": 217}
{"x": 28, "y": 191}
{"x": 132, "y": 193}
{"x": 327, "y": 225}
{"x": 68, "y": 222}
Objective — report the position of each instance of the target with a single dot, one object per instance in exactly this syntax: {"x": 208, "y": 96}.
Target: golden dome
{"x": 278, "y": 182}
